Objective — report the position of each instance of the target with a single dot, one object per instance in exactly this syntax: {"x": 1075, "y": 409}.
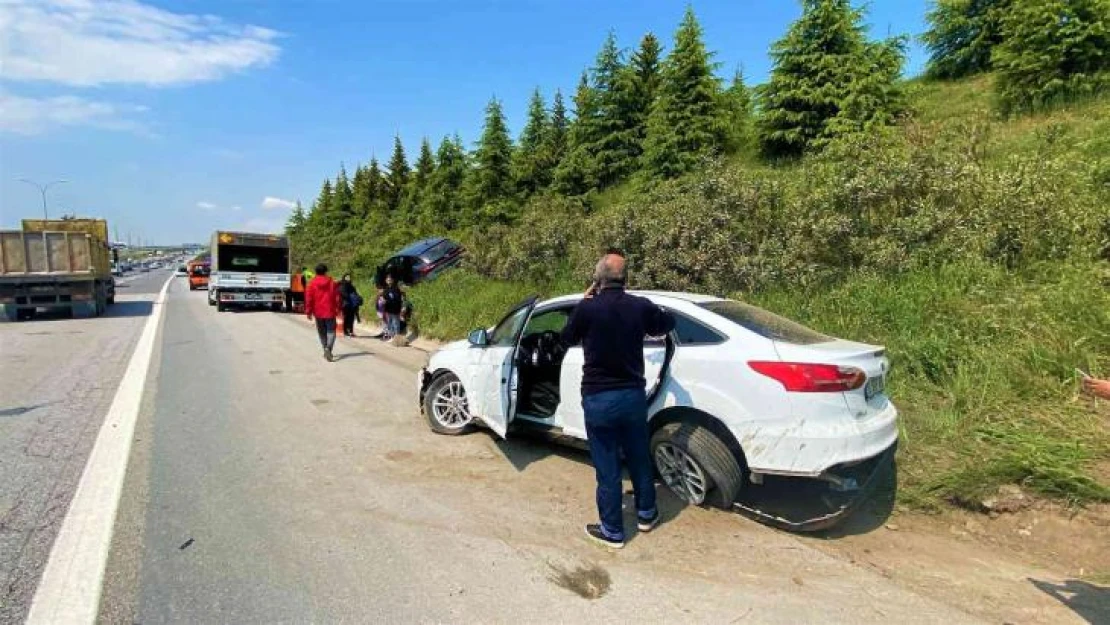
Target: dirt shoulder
{"x": 1038, "y": 562}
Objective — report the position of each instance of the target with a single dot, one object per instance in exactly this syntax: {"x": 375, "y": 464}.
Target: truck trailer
{"x": 248, "y": 270}
{"x": 56, "y": 265}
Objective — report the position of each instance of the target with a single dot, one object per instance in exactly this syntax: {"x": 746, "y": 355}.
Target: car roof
{"x": 421, "y": 246}
{"x": 692, "y": 298}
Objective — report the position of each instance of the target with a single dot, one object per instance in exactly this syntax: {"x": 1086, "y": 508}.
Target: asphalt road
{"x": 266, "y": 485}
{"x": 269, "y": 486}
{"x": 57, "y": 377}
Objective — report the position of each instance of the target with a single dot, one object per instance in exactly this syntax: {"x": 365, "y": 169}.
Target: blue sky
{"x": 173, "y": 118}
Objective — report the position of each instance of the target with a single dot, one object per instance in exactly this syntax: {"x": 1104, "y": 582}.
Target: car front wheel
{"x": 696, "y": 465}
{"x": 445, "y": 406}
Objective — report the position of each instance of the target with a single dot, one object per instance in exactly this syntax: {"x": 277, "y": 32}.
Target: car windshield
{"x": 506, "y": 332}
{"x": 766, "y": 324}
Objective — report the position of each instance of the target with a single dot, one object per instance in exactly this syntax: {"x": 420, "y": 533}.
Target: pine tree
{"x": 360, "y": 196}
{"x": 1052, "y": 51}
{"x": 296, "y": 223}
{"x": 342, "y": 199}
{"x": 827, "y": 80}
{"x": 560, "y": 127}
{"x": 685, "y": 122}
{"x": 529, "y": 172}
{"x": 739, "y": 114}
{"x": 376, "y": 187}
{"x": 398, "y": 177}
{"x": 577, "y": 172}
{"x": 643, "y": 73}
{"x": 323, "y": 221}
{"x": 491, "y": 182}
{"x": 418, "y": 183}
{"x": 962, "y": 35}
{"x": 615, "y": 144}
{"x": 442, "y": 205}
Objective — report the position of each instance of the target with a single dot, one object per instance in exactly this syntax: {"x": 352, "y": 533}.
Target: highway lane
{"x": 266, "y": 485}
{"x": 57, "y": 377}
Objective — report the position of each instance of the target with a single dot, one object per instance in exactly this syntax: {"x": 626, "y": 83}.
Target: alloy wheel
{"x": 449, "y": 406}
{"x": 682, "y": 474}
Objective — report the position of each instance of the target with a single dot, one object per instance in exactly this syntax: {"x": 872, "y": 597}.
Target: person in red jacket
{"x": 321, "y": 300}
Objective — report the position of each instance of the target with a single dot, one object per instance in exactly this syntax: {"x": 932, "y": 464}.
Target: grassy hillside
{"x": 967, "y": 244}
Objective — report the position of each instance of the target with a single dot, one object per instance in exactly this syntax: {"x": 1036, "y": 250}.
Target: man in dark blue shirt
{"x": 611, "y": 325}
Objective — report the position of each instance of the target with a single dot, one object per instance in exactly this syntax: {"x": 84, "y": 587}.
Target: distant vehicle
{"x": 198, "y": 274}
{"x": 117, "y": 269}
{"x": 56, "y": 264}
{"x": 182, "y": 270}
{"x": 248, "y": 269}
{"x": 422, "y": 260}
{"x": 144, "y": 267}
{"x": 734, "y": 393}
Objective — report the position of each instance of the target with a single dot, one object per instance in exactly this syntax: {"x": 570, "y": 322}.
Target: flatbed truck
{"x": 248, "y": 269}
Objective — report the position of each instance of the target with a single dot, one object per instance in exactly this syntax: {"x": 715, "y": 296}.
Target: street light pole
{"x": 42, "y": 189}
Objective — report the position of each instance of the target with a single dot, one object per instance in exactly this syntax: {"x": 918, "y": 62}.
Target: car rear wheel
{"x": 696, "y": 465}
{"x": 445, "y": 406}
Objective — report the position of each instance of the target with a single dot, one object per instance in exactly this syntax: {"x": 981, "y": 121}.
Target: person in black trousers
{"x": 611, "y": 325}
{"x": 394, "y": 303}
{"x": 351, "y": 300}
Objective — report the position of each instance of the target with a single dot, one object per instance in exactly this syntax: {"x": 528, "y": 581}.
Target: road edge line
{"x": 71, "y": 583}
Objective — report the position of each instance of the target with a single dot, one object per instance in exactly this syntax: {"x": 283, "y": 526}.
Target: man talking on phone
{"x": 611, "y": 325}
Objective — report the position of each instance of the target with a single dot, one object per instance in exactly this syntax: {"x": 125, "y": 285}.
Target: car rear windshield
{"x": 438, "y": 251}
{"x": 766, "y": 324}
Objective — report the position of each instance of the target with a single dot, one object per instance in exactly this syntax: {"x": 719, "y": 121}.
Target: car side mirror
{"x": 478, "y": 338}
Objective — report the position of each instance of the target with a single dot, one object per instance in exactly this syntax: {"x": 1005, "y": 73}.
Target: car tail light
{"x": 800, "y": 377}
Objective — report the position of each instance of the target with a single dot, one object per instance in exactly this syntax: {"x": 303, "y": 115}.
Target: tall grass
{"x": 983, "y": 374}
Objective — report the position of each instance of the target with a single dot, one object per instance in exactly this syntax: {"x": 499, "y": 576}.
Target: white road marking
{"x": 69, "y": 591}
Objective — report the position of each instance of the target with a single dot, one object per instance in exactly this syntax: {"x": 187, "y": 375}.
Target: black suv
{"x": 421, "y": 260}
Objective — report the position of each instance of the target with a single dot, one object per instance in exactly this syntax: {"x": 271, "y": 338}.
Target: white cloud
{"x": 276, "y": 203}
{"x": 208, "y": 206}
{"x": 262, "y": 225}
{"x": 29, "y": 116}
{"x": 236, "y": 208}
{"x": 91, "y": 43}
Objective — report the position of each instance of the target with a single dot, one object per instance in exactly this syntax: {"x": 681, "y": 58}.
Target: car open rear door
{"x": 495, "y": 376}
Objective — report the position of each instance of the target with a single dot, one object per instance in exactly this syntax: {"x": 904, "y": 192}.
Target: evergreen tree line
{"x": 643, "y": 116}
{"x": 1043, "y": 51}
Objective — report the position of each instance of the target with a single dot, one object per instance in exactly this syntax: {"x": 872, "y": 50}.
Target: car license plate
{"x": 875, "y": 386}
{"x": 252, "y": 296}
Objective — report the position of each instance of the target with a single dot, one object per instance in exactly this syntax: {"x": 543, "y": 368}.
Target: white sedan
{"x": 734, "y": 393}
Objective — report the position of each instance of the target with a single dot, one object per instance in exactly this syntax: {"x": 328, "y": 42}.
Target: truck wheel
{"x": 696, "y": 465}
{"x": 275, "y": 307}
{"x": 221, "y": 307}
{"x": 445, "y": 406}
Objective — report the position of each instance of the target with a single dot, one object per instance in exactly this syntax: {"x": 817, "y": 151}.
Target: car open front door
{"x": 493, "y": 396}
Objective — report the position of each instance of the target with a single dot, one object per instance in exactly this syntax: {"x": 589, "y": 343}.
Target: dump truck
{"x": 248, "y": 270}
{"x": 56, "y": 265}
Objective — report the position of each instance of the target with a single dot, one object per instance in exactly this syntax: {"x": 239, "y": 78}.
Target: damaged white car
{"x": 734, "y": 392}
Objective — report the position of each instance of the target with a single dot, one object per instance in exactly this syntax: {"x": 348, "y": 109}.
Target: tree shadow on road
{"x": 1088, "y": 601}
